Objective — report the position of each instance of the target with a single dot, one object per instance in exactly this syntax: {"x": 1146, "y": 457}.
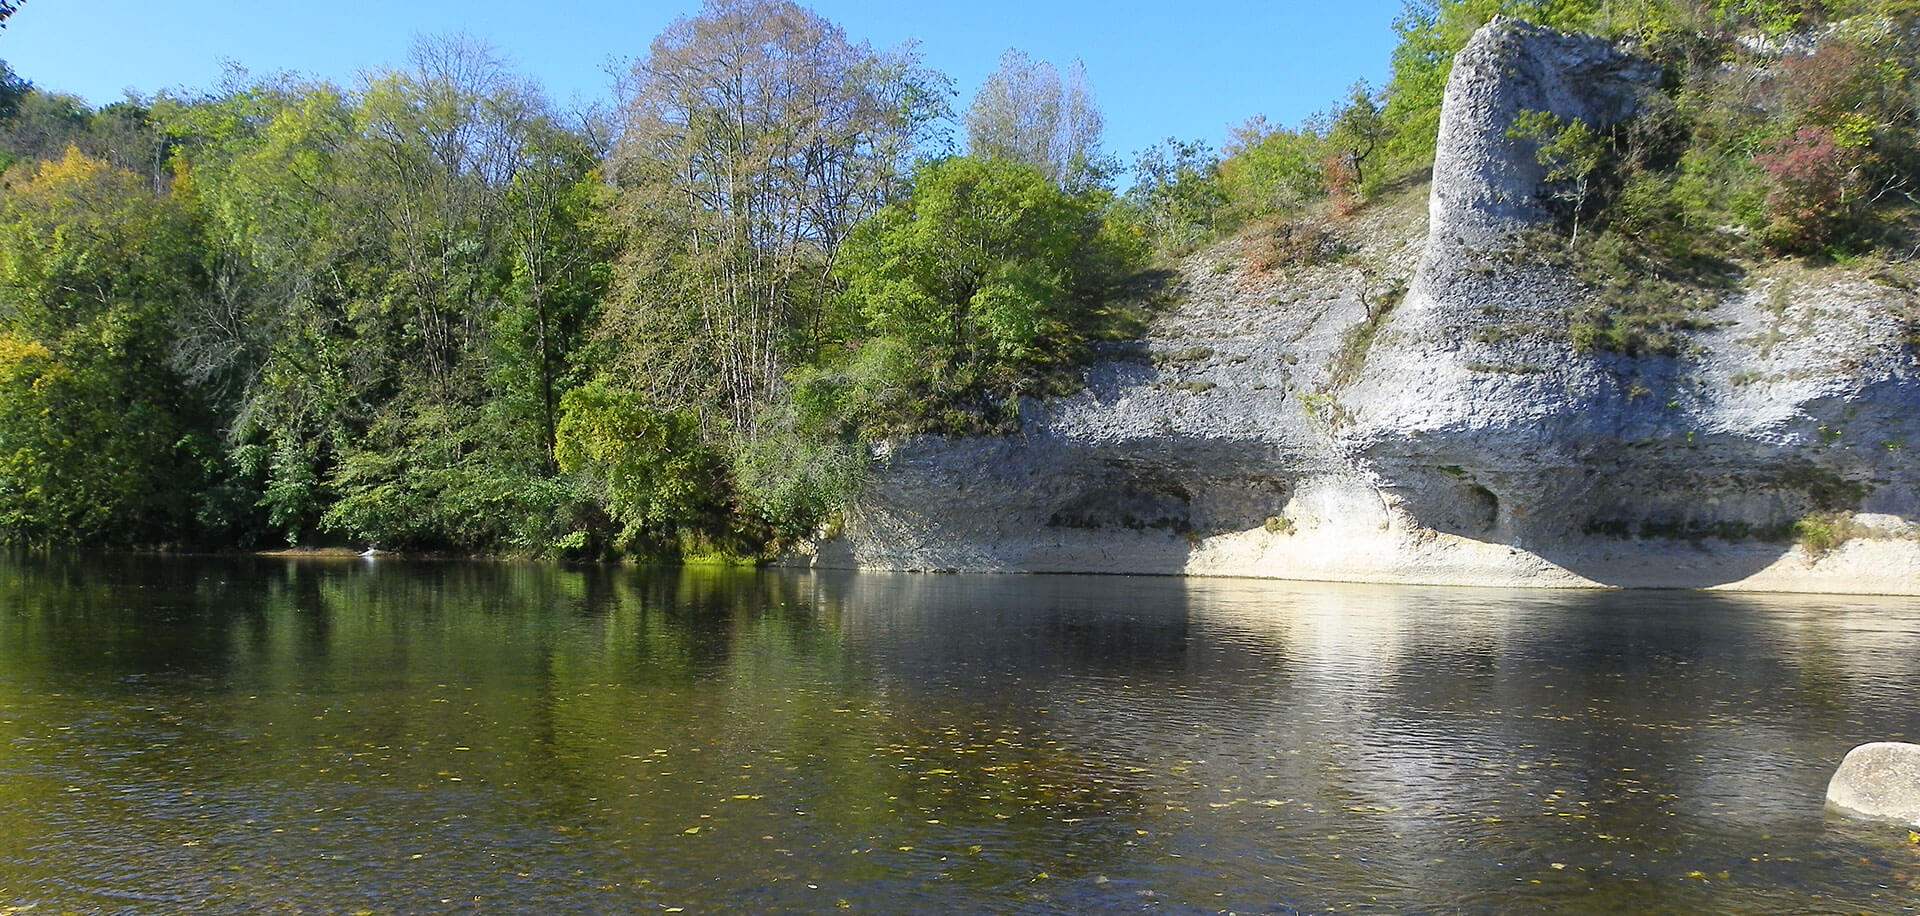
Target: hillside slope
{"x": 1296, "y": 422}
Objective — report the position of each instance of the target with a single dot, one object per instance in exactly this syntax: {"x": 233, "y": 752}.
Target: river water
{"x": 246, "y": 735}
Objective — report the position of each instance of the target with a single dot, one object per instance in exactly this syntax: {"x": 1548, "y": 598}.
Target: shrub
{"x": 1276, "y": 244}
{"x": 1824, "y": 532}
{"x": 803, "y": 464}
{"x": 1572, "y": 153}
{"x": 1643, "y": 301}
{"x": 648, "y": 467}
{"x": 1177, "y": 194}
{"x": 1271, "y": 171}
{"x": 1817, "y": 185}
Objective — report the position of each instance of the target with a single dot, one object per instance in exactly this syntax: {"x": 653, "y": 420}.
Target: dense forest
{"x": 432, "y": 310}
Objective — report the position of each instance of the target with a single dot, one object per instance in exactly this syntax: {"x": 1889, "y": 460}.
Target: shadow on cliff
{"x": 1156, "y": 503}
{"x": 1701, "y": 515}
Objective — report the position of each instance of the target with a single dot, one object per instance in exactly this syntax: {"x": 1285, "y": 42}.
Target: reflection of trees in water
{"x": 797, "y": 739}
{"x": 661, "y": 723}
{"x": 941, "y": 631}
{"x": 95, "y": 620}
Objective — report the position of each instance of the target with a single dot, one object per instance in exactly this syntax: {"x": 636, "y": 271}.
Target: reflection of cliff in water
{"x": 1283, "y": 744}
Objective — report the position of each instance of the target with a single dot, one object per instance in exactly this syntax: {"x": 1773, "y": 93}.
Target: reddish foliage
{"x": 1343, "y": 183}
{"x": 1288, "y": 243}
{"x": 1833, "y": 80}
{"x": 1814, "y": 177}
{"x": 1811, "y": 159}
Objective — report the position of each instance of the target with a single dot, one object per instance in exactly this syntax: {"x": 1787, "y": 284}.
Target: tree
{"x": 12, "y": 90}
{"x": 1358, "y": 130}
{"x": 1571, "y": 152}
{"x": 1177, "y": 192}
{"x": 405, "y": 278}
{"x": 42, "y": 125}
{"x": 1027, "y": 112}
{"x": 1270, "y": 170}
{"x": 99, "y": 440}
{"x": 988, "y": 267}
{"x": 646, "y": 465}
{"x": 560, "y": 254}
{"x": 757, "y": 136}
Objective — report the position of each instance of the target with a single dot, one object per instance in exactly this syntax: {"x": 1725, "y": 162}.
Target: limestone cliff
{"x": 1295, "y": 423}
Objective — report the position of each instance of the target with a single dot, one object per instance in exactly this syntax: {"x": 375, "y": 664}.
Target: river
{"x": 239, "y": 735}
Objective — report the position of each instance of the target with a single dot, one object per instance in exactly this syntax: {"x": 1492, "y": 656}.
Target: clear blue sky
{"x": 1187, "y": 68}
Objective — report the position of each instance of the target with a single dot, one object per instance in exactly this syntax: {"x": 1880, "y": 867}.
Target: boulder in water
{"x": 1879, "y": 781}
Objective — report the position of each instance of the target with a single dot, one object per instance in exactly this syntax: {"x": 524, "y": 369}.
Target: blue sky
{"x": 1167, "y": 68}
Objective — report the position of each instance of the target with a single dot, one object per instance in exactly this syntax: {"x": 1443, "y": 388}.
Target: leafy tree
{"x": 1571, "y": 152}
{"x": 99, "y": 440}
{"x": 1027, "y": 112}
{"x": 757, "y": 136}
{"x": 12, "y": 90}
{"x": 988, "y": 270}
{"x": 1177, "y": 192}
{"x": 1358, "y": 130}
{"x": 646, "y": 465}
{"x": 1430, "y": 34}
{"x": 43, "y": 125}
{"x": 560, "y": 252}
{"x": 1272, "y": 170}
{"x": 406, "y": 276}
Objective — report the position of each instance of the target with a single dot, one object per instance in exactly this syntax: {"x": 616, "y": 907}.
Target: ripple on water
{"x": 234, "y": 735}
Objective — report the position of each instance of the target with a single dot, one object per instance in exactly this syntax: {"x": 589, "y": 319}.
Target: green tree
{"x": 12, "y": 90}
{"x": 647, "y": 466}
{"x": 1272, "y": 170}
{"x": 1358, "y": 130}
{"x": 100, "y": 441}
{"x": 406, "y": 275}
{"x": 1177, "y": 193}
{"x": 1571, "y": 152}
{"x": 989, "y": 270}
{"x": 757, "y": 136}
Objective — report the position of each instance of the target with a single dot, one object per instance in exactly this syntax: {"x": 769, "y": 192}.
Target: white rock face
{"x": 1879, "y": 781}
{"x": 1470, "y": 445}
{"x": 1485, "y": 184}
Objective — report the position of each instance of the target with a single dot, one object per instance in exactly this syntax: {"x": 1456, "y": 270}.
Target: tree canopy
{"x": 433, "y": 309}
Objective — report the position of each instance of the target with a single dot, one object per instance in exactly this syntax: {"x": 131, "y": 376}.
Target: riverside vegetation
{"x": 434, "y": 311}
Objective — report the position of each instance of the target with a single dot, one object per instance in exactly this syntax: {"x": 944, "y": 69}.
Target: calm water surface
{"x": 246, "y": 735}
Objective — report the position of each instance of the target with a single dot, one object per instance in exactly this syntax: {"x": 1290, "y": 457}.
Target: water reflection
{"x": 231, "y": 735}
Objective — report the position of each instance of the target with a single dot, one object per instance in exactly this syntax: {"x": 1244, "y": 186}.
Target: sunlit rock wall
{"x": 1466, "y": 443}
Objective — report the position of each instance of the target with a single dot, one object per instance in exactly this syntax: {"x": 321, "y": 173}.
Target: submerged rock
{"x": 1879, "y": 781}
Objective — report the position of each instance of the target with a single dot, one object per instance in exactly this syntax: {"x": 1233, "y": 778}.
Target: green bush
{"x": 983, "y": 284}
{"x": 100, "y": 439}
{"x": 1272, "y": 171}
{"x": 1177, "y": 195}
{"x": 648, "y": 468}
{"x": 1824, "y": 532}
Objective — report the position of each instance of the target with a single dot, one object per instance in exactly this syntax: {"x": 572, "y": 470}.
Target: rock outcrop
{"x": 1296, "y": 423}
{"x": 1486, "y": 185}
{"x": 1879, "y": 781}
